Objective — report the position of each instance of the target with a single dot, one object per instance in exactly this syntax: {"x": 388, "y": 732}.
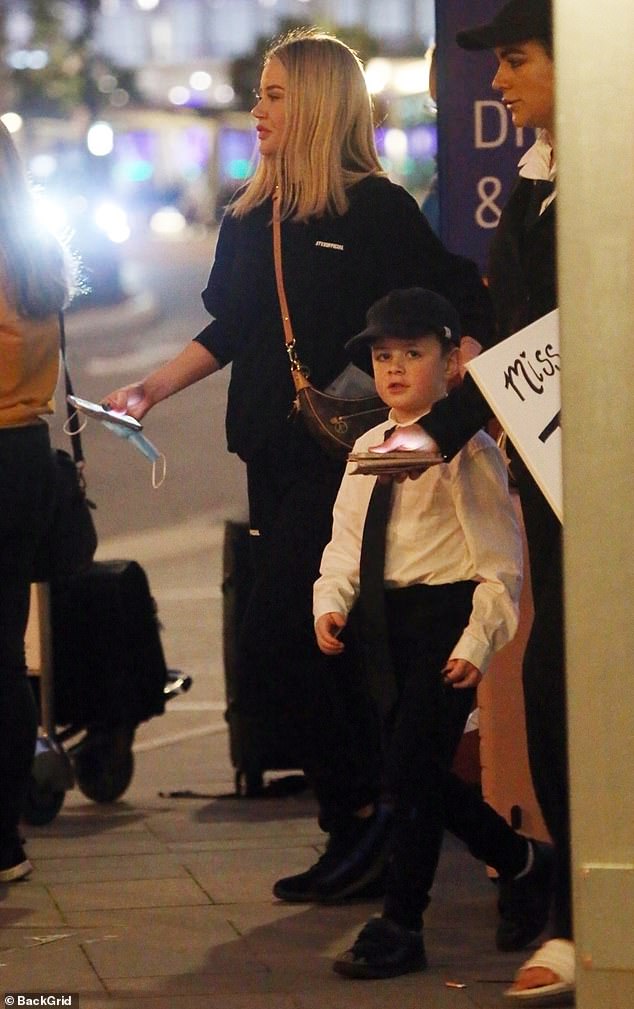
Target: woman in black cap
{"x": 523, "y": 285}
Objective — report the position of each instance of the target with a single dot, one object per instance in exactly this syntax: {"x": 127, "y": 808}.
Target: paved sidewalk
{"x": 166, "y": 902}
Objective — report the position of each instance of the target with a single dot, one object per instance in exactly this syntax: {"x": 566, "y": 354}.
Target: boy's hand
{"x": 461, "y": 673}
{"x": 327, "y": 627}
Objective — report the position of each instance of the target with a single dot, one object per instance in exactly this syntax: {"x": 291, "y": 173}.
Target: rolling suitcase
{"x": 107, "y": 653}
{"x": 109, "y": 670}
{"x": 253, "y": 747}
{"x": 97, "y": 669}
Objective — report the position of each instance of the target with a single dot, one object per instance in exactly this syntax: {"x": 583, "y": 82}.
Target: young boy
{"x": 450, "y": 587}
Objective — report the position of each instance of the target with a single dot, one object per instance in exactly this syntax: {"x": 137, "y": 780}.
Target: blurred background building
{"x": 135, "y": 32}
{"x": 133, "y": 115}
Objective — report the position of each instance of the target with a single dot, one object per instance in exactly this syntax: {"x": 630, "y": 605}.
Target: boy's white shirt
{"x": 455, "y": 523}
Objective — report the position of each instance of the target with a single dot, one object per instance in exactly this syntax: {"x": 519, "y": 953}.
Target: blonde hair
{"x": 328, "y": 141}
{"x": 35, "y": 267}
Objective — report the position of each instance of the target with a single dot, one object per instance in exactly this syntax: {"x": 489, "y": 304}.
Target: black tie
{"x": 374, "y": 631}
{"x": 542, "y": 188}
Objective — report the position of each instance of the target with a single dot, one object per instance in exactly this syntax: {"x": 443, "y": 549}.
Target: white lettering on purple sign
{"x": 491, "y": 125}
{"x": 487, "y": 212}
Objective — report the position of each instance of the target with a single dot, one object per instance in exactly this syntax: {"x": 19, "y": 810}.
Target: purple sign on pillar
{"x": 478, "y": 146}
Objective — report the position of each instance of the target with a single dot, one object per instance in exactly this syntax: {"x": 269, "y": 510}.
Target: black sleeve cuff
{"x": 210, "y": 340}
{"x": 454, "y": 420}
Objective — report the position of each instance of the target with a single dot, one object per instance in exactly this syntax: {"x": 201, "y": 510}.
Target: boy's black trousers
{"x": 425, "y": 623}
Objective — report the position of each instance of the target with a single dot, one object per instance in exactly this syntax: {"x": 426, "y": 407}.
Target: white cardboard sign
{"x": 520, "y": 379}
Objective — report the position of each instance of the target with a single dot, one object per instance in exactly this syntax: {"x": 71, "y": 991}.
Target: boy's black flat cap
{"x": 407, "y": 313}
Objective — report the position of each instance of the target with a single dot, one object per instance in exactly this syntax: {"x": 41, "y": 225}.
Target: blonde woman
{"x": 34, "y": 286}
{"x": 349, "y": 236}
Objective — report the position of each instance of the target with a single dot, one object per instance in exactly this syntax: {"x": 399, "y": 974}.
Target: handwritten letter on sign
{"x": 520, "y": 379}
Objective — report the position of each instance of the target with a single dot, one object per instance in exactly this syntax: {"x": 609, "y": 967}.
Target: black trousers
{"x": 329, "y": 717}
{"x": 425, "y": 622}
{"x": 26, "y": 489}
{"x": 544, "y": 684}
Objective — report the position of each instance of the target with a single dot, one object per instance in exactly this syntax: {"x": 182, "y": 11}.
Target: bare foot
{"x": 533, "y": 977}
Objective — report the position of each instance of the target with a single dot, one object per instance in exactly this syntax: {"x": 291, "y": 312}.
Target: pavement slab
{"x": 127, "y": 894}
{"x": 113, "y": 868}
{"x": 99, "y": 844}
{"x": 28, "y": 903}
{"x": 231, "y": 877}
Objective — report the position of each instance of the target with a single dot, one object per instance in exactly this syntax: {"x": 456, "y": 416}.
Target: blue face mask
{"x": 145, "y": 447}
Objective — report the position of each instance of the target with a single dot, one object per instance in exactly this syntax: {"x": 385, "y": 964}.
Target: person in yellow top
{"x": 35, "y": 284}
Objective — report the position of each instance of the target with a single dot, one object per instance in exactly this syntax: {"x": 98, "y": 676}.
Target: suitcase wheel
{"x": 104, "y": 763}
{"x": 42, "y": 803}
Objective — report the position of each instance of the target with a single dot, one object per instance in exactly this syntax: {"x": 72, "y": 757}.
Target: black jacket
{"x": 523, "y": 286}
{"x": 334, "y": 269}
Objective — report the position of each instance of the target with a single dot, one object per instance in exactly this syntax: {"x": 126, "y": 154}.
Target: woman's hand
{"x": 327, "y": 627}
{"x": 132, "y": 399}
{"x": 461, "y": 673}
{"x": 406, "y": 439}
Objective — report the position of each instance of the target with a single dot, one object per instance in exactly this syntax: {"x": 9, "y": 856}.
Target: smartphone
{"x": 100, "y": 412}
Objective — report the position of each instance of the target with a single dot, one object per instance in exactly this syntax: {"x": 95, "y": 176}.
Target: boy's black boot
{"x": 354, "y": 858}
{"x": 524, "y": 903}
{"x": 382, "y": 949}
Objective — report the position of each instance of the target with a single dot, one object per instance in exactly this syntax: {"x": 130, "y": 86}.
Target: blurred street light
{"x": 100, "y": 139}
{"x": 12, "y": 121}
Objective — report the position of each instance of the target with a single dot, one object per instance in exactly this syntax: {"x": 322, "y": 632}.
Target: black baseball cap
{"x": 518, "y": 21}
{"x": 407, "y": 313}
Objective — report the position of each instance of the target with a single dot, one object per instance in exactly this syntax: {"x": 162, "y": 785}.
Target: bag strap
{"x": 299, "y": 373}
{"x": 73, "y": 424}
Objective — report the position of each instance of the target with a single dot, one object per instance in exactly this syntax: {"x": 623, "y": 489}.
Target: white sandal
{"x": 557, "y": 955}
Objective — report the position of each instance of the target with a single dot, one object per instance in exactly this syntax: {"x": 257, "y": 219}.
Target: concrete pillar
{"x": 595, "y": 152}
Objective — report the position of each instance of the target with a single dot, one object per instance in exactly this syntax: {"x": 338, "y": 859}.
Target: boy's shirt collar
{"x": 405, "y": 423}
